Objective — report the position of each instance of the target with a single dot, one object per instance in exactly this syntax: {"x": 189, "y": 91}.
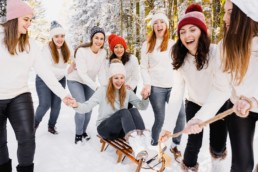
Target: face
{"x": 98, "y": 41}
{"x": 118, "y": 80}
{"x": 59, "y": 40}
{"x": 159, "y": 28}
{"x": 24, "y": 23}
{"x": 189, "y": 36}
{"x": 119, "y": 50}
{"x": 228, "y": 10}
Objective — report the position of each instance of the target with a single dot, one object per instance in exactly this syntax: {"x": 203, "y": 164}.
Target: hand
{"x": 193, "y": 127}
{"x": 67, "y": 100}
{"x": 241, "y": 108}
{"x": 164, "y": 135}
{"x": 71, "y": 68}
{"x": 128, "y": 87}
{"x": 73, "y": 103}
{"x": 145, "y": 93}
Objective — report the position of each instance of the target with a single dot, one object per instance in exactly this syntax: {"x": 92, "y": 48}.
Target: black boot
{"x": 25, "y": 168}
{"x": 7, "y": 167}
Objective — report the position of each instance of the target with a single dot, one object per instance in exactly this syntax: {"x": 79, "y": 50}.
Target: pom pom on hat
{"x": 17, "y": 8}
{"x": 113, "y": 40}
{"x": 193, "y": 15}
{"x": 56, "y": 29}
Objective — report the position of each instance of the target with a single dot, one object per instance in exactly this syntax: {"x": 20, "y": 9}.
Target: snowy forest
{"x": 127, "y": 18}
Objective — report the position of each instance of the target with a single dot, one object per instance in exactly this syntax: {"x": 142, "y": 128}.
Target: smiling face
{"x": 119, "y": 50}
{"x": 118, "y": 81}
{"x": 228, "y": 6}
{"x": 159, "y": 28}
{"x": 98, "y": 41}
{"x": 59, "y": 40}
{"x": 24, "y": 23}
{"x": 189, "y": 36}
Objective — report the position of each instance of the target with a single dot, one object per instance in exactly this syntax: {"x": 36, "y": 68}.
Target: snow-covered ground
{"x": 58, "y": 153}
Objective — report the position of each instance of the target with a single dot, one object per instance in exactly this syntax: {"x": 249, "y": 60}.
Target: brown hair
{"x": 237, "y": 44}
{"x": 64, "y": 50}
{"x": 111, "y": 94}
{"x": 11, "y": 39}
{"x": 152, "y": 41}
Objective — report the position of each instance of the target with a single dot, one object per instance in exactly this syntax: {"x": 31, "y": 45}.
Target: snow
{"x": 58, "y": 153}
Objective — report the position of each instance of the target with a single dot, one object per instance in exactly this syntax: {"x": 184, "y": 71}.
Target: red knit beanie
{"x": 193, "y": 15}
{"x": 113, "y": 39}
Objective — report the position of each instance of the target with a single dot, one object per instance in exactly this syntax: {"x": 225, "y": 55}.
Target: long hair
{"x": 111, "y": 94}
{"x": 152, "y": 41}
{"x": 179, "y": 52}
{"x": 125, "y": 58}
{"x": 237, "y": 44}
{"x": 64, "y": 50}
{"x": 11, "y": 39}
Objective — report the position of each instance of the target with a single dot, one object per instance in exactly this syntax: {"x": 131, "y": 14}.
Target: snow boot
{"x": 86, "y": 136}
{"x": 218, "y": 162}
{"x": 6, "y": 167}
{"x": 184, "y": 168}
{"x": 78, "y": 139}
{"x": 52, "y": 130}
{"x": 29, "y": 168}
{"x": 138, "y": 145}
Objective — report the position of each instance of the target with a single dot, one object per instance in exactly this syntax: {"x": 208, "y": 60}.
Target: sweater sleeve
{"x": 138, "y": 103}
{"x": 145, "y": 65}
{"x": 82, "y": 69}
{"x": 91, "y": 103}
{"x": 175, "y": 101}
{"x": 135, "y": 72}
{"x": 220, "y": 93}
{"x": 45, "y": 74}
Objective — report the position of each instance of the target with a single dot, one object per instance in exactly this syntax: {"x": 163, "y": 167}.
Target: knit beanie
{"x": 249, "y": 7}
{"x": 160, "y": 16}
{"x": 113, "y": 39}
{"x": 17, "y": 8}
{"x": 95, "y": 30}
{"x": 116, "y": 67}
{"x": 56, "y": 29}
{"x": 193, "y": 15}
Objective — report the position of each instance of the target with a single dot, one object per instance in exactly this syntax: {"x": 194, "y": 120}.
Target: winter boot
{"x": 218, "y": 162}
{"x": 184, "y": 168}
{"x": 25, "y": 168}
{"x": 7, "y": 167}
{"x": 86, "y": 136}
{"x": 52, "y": 130}
{"x": 138, "y": 146}
{"x": 78, "y": 139}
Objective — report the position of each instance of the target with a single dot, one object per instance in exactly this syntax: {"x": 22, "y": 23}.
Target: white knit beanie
{"x": 116, "y": 68}
{"x": 56, "y": 29}
{"x": 249, "y": 7}
{"x": 160, "y": 16}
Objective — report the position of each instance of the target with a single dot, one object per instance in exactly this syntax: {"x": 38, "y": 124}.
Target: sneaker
{"x": 52, "y": 130}
{"x": 78, "y": 138}
{"x": 86, "y": 136}
{"x": 177, "y": 154}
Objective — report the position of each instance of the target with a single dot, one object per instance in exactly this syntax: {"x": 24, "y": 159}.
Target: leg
{"x": 194, "y": 141}
{"x": 55, "y": 106}
{"x": 158, "y": 99}
{"x": 21, "y": 116}
{"x": 88, "y": 92}
{"x": 44, "y": 95}
{"x": 138, "y": 121}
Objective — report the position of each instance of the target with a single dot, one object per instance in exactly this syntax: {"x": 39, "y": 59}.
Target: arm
{"x": 139, "y": 104}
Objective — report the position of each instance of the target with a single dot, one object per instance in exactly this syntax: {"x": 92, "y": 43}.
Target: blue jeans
{"x": 158, "y": 98}
{"x": 81, "y": 93}
{"x": 47, "y": 99}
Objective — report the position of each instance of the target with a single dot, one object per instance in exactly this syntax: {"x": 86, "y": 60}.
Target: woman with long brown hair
{"x": 56, "y": 54}
{"x": 19, "y": 54}
{"x": 115, "y": 120}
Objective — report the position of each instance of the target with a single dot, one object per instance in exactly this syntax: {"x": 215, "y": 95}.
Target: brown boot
{"x": 184, "y": 168}
{"x": 177, "y": 154}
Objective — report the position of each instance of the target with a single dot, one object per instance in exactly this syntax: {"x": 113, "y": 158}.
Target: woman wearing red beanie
{"x": 19, "y": 54}
{"x": 193, "y": 61}
{"x": 118, "y": 47}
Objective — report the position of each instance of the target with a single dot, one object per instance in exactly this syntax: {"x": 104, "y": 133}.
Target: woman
{"x": 193, "y": 55}
{"x": 115, "y": 120}
{"x": 90, "y": 60}
{"x": 118, "y": 47}
{"x": 236, "y": 71}
{"x": 18, "y": 55}
{"x": 57, "y": 55}
{"x": 156, "y": 72}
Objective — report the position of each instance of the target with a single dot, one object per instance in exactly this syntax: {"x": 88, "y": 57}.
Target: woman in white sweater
{"x": 90, "y": 60}
{"x": 18, "y": 55}
{"x": 118, "y": 47}
{"x": 57, "y": 54}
